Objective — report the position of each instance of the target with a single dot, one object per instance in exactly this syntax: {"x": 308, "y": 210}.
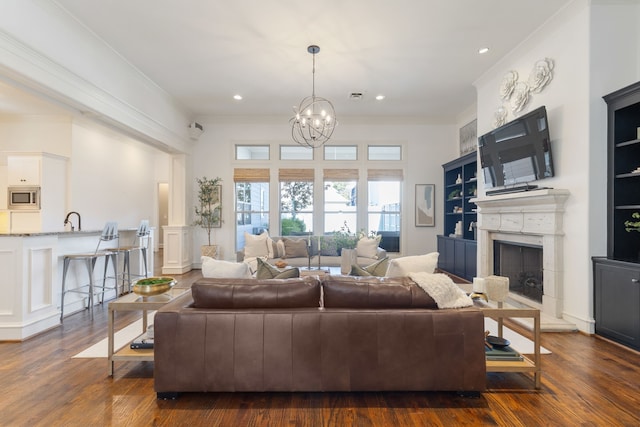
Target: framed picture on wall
{"x": 425, "y": 205}
{"x": 469, "y": 137}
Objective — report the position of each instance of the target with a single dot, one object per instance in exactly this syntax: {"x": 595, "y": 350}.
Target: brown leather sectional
{"x": 335, "y": 333}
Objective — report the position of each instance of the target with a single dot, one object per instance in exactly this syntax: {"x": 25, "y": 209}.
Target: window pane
{"x": 340, "y": 205}
{"x": 252, "y": 209}
{"x": 346, "y": 152}
{"x": 384, "y": 152}
{"x": 252, "y": 152}
{"x": 296, "y": 207}
{"x": 384, "y": 212}
{"x": 295, "y": 152}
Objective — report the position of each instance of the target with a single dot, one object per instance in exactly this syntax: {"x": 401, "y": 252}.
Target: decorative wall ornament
{"x": 541, "y": 75}
{"x": 517, "y": 94}
{"x": 508, "y": 84}
{"x": 520, "y": 97}
{"x": 499, "y": 117}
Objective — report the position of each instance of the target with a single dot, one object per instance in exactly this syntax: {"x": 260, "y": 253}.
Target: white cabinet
{"x": 23, "y": 170}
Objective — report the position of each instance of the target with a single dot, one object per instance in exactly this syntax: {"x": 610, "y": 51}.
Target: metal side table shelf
{"x": 135, "y": 302}
{"x": 528, "y": 364}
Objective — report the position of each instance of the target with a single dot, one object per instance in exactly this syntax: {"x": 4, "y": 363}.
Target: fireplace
{"x": 522, "y": 264}
{"x": 532, "y": 221}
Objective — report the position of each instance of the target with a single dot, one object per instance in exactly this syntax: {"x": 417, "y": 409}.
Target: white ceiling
{"x": 421, "y": 54}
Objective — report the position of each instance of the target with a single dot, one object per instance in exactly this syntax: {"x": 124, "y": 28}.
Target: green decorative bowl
{"x": 153, "y": 285}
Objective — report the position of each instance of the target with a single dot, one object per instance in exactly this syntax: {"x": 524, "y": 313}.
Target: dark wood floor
{"x": 586, "y": 382}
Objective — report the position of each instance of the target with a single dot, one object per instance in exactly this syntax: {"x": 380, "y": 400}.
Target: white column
{"x": 176, "y": 258}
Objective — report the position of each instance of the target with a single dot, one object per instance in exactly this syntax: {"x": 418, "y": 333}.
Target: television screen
{"x": 518, "y": 152}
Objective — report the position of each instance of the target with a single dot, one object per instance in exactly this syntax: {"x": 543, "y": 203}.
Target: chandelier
{"x": 315, "y": 118}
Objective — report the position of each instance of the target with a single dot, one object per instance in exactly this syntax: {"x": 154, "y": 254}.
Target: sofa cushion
{"x": 374, "y": 292}
{"x": 378, "y": 268}
{"x": 400, "y": 267}
{"x": 368, "y": 247}
{"x": 217, "y": 268}
{"x": 294, "y": 248}
{"x": 256, "y": 246}
{"x": 252, "y": 293}
{"x": 268, "y": 271}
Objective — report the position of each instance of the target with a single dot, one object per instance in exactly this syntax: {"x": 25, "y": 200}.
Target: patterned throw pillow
{"x": 378, "y": 268}
{"x": 267, "y": 271}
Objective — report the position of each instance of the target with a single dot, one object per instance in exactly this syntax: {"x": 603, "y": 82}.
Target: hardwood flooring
{"x": 586, "y": 381}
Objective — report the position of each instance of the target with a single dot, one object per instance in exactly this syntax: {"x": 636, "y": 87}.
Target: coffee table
{"x": 135, "y": 302}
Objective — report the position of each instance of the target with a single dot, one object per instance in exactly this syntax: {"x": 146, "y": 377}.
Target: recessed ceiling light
{"x": 380, "y": 97}
{"x": 237, "y": 97}
{"x": 483, "y": 50}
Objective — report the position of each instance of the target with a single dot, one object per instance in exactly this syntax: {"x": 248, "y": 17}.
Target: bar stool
{"x": 140, "y": 241}
{"x": 110, "y": 232}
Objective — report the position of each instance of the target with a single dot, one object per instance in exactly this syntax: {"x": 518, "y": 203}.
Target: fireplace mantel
{"x": 529, "y": 217}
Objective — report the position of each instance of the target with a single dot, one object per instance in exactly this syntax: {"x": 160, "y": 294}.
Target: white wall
{"x": 595, "y": 50}
{"x": 428, "y": 147}
{"x": 113, "y": 178}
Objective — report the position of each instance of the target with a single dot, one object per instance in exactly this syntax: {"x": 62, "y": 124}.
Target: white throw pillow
{"x": 368, "y": 247}
{"x": 401, "y": 267}
{"x": 224, "y": 269}
{"x": 256, "y": 246}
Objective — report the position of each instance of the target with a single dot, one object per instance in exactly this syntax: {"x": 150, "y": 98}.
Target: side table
{"x": 135, "y": 302}
{"x": 527, "y": 364}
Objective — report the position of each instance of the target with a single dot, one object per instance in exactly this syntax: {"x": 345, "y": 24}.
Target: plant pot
{"x": 209, "y": 250}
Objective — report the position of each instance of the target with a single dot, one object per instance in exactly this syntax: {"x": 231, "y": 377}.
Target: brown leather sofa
{"x": 337, "y": 333}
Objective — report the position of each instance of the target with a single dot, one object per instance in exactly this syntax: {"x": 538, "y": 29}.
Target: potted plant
{"x": 630, "y": 226}
{"x": 208, "y": 210}
{"x": 344, "y": 239}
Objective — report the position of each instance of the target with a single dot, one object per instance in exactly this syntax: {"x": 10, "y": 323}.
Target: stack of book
{"x": 504, "y": 354}
{"x": 143, "y": 341}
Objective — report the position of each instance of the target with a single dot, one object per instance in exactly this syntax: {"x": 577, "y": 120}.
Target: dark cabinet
{"x": 617, "y": 300}
{"x": 457, "y": 256}
{"x": 616, "y": 276}
{"x": 458, "y": 251}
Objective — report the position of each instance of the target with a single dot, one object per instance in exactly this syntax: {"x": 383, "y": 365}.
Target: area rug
{"x": 121, "y": 338}
{"x": 519, "y": 343}
{"x": 128, "y": 333}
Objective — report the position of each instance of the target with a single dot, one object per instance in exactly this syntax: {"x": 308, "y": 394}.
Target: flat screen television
{"x": 517, "y": 153}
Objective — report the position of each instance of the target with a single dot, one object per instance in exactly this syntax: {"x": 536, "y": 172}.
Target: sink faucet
{"x": 67, "y": 221}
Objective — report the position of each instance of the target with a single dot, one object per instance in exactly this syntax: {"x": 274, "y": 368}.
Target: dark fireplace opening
{"x": 522, "y": 264}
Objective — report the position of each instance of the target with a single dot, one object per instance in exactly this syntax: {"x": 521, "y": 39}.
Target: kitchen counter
{"x": 32, "y": 276}
{"x": 64, "y": 233}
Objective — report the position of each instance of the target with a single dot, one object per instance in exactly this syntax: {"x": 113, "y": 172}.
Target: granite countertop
{"x": 61, "y": 233}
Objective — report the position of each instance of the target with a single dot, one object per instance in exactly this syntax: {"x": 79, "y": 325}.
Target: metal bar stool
{"x": 110, "y": 232}
{"x": 139, "y": 243}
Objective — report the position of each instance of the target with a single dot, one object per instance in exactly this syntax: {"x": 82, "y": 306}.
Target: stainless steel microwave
{"x": 23, "y": 198}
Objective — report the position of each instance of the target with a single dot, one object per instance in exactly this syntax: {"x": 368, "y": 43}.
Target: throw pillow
{"x": 378, "y": 268}
{"x": 295, "y": 248}
{"x": 368, "y": 247}
{"x": 256, "y": 246}
{"x": 224, "y": 269}
{"x": 400, "y": 267}
{"x": 328, "y": 247}
{"x": 268, "y": 271}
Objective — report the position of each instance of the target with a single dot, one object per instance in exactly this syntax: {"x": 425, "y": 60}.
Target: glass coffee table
{"x": 135, "y": 302}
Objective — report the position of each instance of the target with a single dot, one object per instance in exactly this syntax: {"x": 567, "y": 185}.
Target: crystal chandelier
{"x": 315, "y": 118}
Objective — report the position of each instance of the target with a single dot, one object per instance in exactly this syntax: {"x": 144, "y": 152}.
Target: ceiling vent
{"x": 355, "y": 96}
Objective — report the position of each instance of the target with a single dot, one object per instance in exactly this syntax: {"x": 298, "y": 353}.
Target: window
{"x": 251, "y": 202}
{"x": 296, "y": 201}
{"x": 340, "y": 199}
{"x": 340, "y": 152}
{"x": 252, "y": 152}
{"x": 295, "y": 152}
{"x": 384, "y": 152}
{"x": 384, "y": 210}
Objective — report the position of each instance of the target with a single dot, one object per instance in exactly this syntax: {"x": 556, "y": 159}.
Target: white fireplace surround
{"x": 532, "y": 218}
